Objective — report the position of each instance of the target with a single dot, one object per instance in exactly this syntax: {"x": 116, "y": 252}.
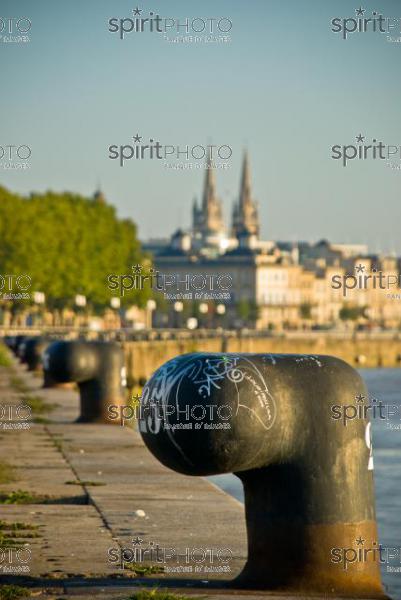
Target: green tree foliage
{"x": 68, "y": 245}
{"x": 247, "y": 311}
{"x": 305, "y": 310}
{"x": 351, "y": 313}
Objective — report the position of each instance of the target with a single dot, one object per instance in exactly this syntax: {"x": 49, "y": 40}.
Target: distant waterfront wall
{"x": 148, "y": 350}
{"x": 144, "y": 357}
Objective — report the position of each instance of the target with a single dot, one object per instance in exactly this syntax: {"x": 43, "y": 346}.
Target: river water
{"x": 385, "y": 386}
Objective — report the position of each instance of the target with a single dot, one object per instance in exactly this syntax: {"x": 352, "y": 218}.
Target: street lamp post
{"x": 178, "y": 308}
{"x": 39, "y": 299}
{"x": 150, "y": 307}
{"x": 80, "y": 302}
{"x": 115, "y": 303}
{"x": 192, "y": 323}
{"x": 203, "y": 310}
{"x": 220, "y": 311}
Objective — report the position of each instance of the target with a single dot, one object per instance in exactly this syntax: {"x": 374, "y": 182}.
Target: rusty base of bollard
{"x": 306, "y": 550}
{"x": 336, "y": 557}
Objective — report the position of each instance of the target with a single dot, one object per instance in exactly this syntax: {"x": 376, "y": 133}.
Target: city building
{"x": 276, "y": 285}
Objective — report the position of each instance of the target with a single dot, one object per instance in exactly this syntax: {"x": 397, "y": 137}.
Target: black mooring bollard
{"x": 32, "y": 350}
{"x": 97, "y": 368}
{"x": 18, "y": 345}
{"x": 9, "y": 341}
{"x": 308, "y": 480}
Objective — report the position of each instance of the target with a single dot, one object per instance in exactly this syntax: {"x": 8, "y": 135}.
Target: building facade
{"x": 279, "y": 285}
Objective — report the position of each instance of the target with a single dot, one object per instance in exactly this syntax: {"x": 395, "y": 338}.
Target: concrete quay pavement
{"x": 125, "y": 494}
{"x": 96, "y": 488}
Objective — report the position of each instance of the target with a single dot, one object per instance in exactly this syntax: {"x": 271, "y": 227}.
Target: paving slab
{"x": 71, "y": 540}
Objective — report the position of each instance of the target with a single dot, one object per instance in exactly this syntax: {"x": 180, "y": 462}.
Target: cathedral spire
{"x": 209, "y": 192}
{"x": 245, "y": 192}
{"x": 212, "y": 211}
{"x": 245, "y": 214}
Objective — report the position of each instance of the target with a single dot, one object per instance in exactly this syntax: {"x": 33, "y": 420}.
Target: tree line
{"x": 68, "y": 244}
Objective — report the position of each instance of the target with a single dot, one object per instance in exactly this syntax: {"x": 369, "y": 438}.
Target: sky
{"x": 285, "y": 87}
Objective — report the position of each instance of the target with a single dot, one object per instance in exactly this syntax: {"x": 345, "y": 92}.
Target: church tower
{"x": 207, "y": 219}
{"x": 245, "y": 212}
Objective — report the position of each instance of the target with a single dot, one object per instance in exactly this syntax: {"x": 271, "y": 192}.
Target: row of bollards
{"x": 96, "y": 367}
{"x": 308, "y": 482}
{"x": 30, "y": 352}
